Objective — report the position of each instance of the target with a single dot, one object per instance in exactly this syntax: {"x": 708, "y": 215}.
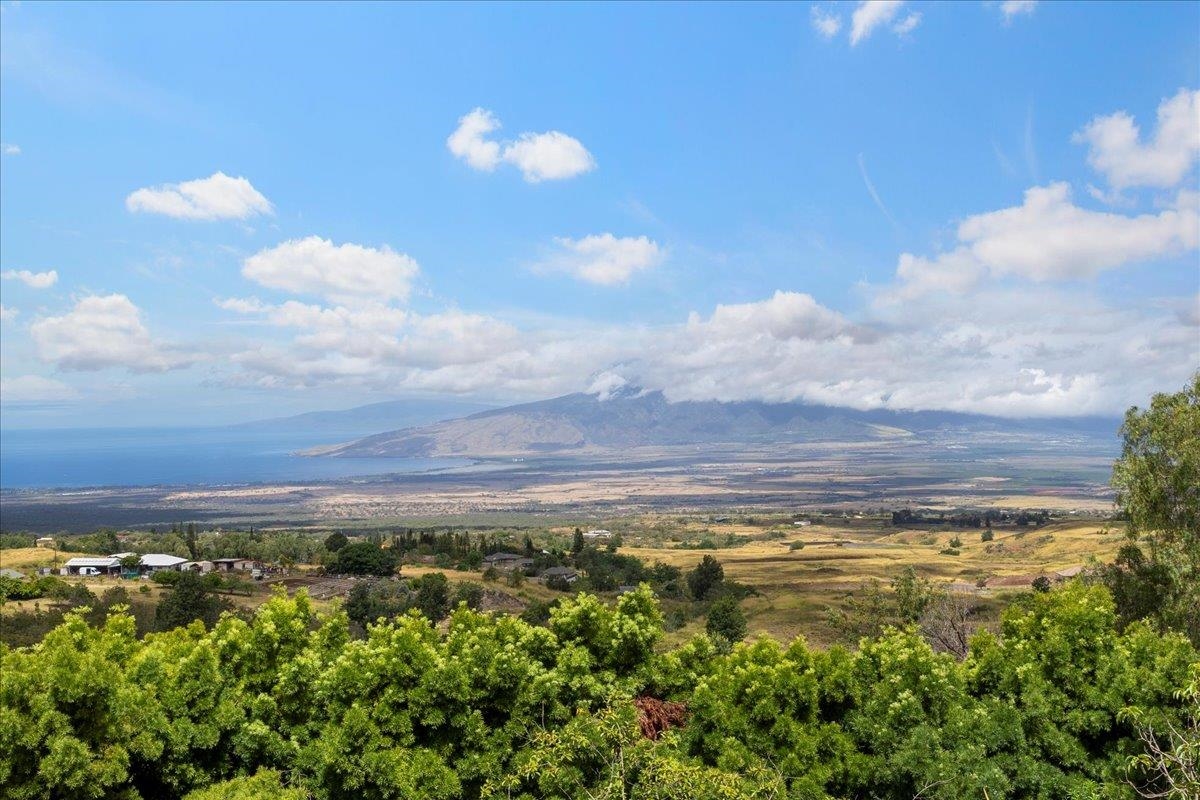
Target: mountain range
{"x": 581, "y": 423}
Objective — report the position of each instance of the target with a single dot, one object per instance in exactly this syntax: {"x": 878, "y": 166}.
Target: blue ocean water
{"x": 74, "y": 458}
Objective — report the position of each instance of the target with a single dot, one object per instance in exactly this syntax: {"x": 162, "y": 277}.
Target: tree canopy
{"x": 288, "y": 705}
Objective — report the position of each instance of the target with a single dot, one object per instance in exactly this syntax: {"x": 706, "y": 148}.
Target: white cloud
{"x": 100, "y": 332}
{"x": 907, "y": 25}
{"x": 1048, "y": 238}
{"x": 218, "y": 196}
{"x": 34, "y": 280}
{"x": 826, "y": 23}
{"x": 872, "y": 14}
{"x": 8, "y": 313}
{"x": 603, "y": 259}
{"x": 468, "y": 142}
{"x": 35, "y": 389}
{"x": 548, "y": 156}
{"x": 1116, "y": 149}
{"x": 1015, "y": 8}
{"x": 10, "y": 149}
{"x": 342, "y": 273}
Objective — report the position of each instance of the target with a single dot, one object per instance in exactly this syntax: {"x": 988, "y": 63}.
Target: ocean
{"x": 77, "y": 458}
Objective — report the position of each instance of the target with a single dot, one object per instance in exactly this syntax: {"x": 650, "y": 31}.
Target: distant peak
{"x": 609, "y": 385}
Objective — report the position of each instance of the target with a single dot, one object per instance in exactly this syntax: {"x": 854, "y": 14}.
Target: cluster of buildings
{"x": 120, "y": 565}
{"x": 509, "y": 562}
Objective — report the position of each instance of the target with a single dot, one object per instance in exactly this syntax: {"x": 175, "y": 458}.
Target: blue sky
{"x": 736, "y": 204}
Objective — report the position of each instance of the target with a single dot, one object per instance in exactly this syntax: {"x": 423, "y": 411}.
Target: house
{"x": 202, "y": 567}
{"x": 599, "y": 533}
{"x": 11, "y": 573}
{"x": 802, "y": 523}
{"x": 562, "y": 573}
{"x": 92, "y": 565}
{"x": 45, "y": 541}
{"x": 234, "y": 564}
{"x": 507, "y": 561}
{"x": 157, "y": 562}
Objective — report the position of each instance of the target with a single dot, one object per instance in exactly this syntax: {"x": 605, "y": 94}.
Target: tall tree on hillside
{"x": 1157, "y": 572}
{"x": 706, "y": 578}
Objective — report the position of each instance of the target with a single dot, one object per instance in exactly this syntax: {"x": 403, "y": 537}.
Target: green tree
{"x": 191, "y": 598}
{"x": 1157, "y": 478}
{"x": 263, "y": 785}
{"x": 192, "y": 542}
{"x": 364, "y": 558}
{"x": 913, "y": 595}
{"x": 706, "y": 578}
{"x": 726, "y": 620}
{"x": 432, "y": 595}
{"x": 335, "y": 542}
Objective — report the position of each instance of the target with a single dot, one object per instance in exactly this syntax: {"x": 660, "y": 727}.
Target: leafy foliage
{"x": 288, "y": 705}
{"x": 1157, "y": 572}
{"x": 364, "y": 558}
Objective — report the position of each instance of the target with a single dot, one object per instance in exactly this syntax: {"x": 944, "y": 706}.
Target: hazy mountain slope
{"x": 388, "y": 415}
{"x": 582, "y": 422}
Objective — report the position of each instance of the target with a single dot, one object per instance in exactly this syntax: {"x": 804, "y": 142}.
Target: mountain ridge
{"x": 580, "y": 423}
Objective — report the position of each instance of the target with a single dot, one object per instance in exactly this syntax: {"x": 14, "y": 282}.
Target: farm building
{"x": 156, "y": 562}
{"x": 83, "y": 565}
{"x": 111, "y": 565}
{"x": 563, "y": 573}
{"x": 197, "y": 566}
{"x": 45, "y": 541}
{"x": 234, "y": 564}
{"x": 11, "y": 573}
{"x": 599, "y": 533}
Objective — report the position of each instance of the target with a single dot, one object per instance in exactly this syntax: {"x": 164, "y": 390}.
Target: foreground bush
{"x": 288, "y": 706}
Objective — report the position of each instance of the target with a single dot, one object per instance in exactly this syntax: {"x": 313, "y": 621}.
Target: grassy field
{"x": 798, "y": 585}
{"x": 799, "y": 572}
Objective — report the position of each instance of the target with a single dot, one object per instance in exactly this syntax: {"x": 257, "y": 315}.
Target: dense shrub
{"x": 288, "y": 705}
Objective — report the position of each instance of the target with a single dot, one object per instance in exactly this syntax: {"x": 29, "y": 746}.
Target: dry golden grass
{"x": 26, "y": 558}
{"x": 796, "y": 586}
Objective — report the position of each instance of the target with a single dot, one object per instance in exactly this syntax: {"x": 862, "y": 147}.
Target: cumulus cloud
{"x": 1015, "y": 8}
{"x": 1048, "y": 238}
{"x": 826, "y": 23}
{"x": 218, "y": 196}
{"x": 603, "y": 259}
{"x": 341, "y": 273}
{"x": 100, "y": 332}
{"x": 1116, "y": 148}
{"x": 8, "y": 313}
{"x": 34, "y": 280}
{"x": 874, "y": 14}
{"x": 469, "y": 142}
{"x": 10, "y": 149}
{"x": 998, "y": 351}
{"x": 548, "y": 156}
{"x": 35, "y": 389}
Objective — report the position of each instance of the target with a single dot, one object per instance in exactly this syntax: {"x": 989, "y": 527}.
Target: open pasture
{"x": 796, "y": 586}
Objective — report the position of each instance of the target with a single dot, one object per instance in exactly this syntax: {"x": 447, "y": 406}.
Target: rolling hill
{"x": 581, "y": 423}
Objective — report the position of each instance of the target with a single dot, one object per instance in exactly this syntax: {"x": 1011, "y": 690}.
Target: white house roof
{"x": 161, "y": 560}
{"x": 93, "y": 561}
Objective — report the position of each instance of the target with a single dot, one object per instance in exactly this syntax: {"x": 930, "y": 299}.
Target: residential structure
{"x": 563, "y": 573}
{"x": 507, "y": 561}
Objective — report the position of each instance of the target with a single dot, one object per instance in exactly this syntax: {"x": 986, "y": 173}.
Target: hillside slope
{"x": 579, "y": 423}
